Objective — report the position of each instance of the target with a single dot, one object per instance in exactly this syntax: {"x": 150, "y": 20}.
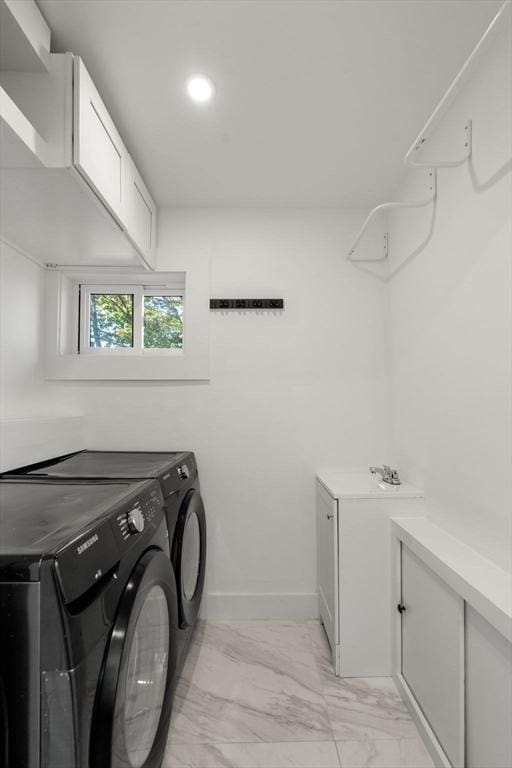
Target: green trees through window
{"x": 163, "y": 322}
{"x": 111, "y": 321}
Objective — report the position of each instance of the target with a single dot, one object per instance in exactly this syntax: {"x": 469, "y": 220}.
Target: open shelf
{"x": 432, "y": 149}
{"x": 21, "y": 146}
{"x": 456, "y": 149}
{"x": 24, "y": 37}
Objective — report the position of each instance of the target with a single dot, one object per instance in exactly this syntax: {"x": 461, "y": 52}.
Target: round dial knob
{"x": 135, "y": 520}
{"x": 184, "y": 472}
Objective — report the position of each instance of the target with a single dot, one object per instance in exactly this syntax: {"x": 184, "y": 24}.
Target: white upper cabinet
{"x": 103, "y": 160}
{"x": 70, "y": 192}
{"x": 98, "y": 151}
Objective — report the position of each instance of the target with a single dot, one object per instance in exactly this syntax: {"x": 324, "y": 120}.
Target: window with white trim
{"x": 131, "y": 319}
{"x": 108, "y": 324}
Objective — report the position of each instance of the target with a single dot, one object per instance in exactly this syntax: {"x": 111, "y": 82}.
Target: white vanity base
{"x": 353, "y": 529}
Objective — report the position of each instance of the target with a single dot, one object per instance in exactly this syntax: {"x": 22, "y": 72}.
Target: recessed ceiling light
{"x": 200, "y": 88}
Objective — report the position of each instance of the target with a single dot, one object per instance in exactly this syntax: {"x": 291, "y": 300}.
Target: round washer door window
{"x": 146, "y": 675}
{"x": 134, "y": 698}
{"x": 191, "y": 556}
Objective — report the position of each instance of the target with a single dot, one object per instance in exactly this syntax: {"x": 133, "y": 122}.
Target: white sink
{"x": 362, "y": 485}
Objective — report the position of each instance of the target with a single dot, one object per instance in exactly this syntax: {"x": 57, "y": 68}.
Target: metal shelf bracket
{"x": 432, "y": 187}
{"x": 422, "y": 141}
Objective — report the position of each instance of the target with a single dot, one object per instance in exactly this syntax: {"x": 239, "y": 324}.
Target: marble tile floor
{"x": 262, "y": 694}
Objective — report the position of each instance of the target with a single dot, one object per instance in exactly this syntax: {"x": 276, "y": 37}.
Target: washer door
{"x": 134, "y": 698}
{"x": 189, "y": 556}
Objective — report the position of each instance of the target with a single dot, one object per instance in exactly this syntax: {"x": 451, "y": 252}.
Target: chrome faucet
{"x": 388, "y": 475}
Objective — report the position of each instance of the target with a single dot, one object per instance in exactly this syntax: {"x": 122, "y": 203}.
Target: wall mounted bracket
{"x": 432, "y": 190}
{"x": 466, "y": 147}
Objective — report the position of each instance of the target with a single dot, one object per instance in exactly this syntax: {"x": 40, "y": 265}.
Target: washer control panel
{"x": 178, "y": 474}
{"x": 142, "y": 513}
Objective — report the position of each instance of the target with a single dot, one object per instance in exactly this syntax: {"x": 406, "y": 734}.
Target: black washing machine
{"x": 89, "y": 624}
{"x": 179, "y": 481}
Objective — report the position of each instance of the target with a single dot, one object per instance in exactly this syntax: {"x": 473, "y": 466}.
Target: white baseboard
{"x": 221, "y": 606}
{"x": 27, "y": 441}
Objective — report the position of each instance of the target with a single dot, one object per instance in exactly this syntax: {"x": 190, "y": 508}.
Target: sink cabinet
{"x": 328, "y": 564}
{"x": 353, "y": 566}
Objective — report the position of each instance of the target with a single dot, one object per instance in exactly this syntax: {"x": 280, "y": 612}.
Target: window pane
{"x": 163, "y": 322}
{"x": 111, "y": 320}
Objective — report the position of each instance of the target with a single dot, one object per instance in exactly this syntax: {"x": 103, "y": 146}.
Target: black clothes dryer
{"x": 88, "y": 636}
{"x": 179, "y": 481}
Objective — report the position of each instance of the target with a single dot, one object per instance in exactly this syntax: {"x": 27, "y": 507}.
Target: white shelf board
{"x": 481, "y": 583}
{"x": 24, "y": 37}
{"x": 21, "y": 146}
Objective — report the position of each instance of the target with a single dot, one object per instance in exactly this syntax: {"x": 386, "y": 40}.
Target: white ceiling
{"x": 317, "y": 101}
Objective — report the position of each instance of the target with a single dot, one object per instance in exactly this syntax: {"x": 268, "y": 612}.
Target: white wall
{"x": 38, "y": 418}
{"x": 24, "y": 392}
{"x": 290, "y": 392}
{"x": 450, "y": 329}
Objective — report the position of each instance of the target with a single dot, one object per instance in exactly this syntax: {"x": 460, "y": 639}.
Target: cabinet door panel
{"x": 488, "y": 695}
{"x": 140, "y": 214}
{"x": 99, "y": 152}
{"x": 433, "y": 652}
{"x": 327, "y": 562}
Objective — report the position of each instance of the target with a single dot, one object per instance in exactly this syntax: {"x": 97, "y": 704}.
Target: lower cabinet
{"x": 433, "y": 652}
{"x": 453, "y": 666}
{"x": 488, "y": 695}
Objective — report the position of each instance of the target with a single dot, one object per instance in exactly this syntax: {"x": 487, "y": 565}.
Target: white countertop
{"x": 479, "y": 581}
{"x": 363, "y": 485}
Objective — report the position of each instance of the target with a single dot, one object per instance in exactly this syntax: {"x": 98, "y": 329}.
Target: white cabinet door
{"x": 140, "y": 214}
{"x": 327, "y": 562}
{"x": 488, "y": 695}
{"x": 98, "y": 151}
{"x": 433, "y": 652}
